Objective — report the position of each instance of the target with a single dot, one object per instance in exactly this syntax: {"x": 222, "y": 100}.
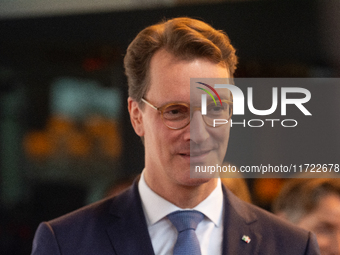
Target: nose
{"x": 198, "y": 128}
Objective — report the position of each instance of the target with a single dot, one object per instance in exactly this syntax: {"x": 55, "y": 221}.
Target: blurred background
{"x": 65, "y": 134}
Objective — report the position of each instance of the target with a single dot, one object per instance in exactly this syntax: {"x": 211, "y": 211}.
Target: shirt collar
{"x": 156, "y": 208}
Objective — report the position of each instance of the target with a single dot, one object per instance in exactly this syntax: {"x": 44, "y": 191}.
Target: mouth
{"x": 198, "y": 153}
{"x": 195, "y": 156}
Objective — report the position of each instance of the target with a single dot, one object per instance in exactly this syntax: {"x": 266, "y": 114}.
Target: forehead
{"x": 170, "y": 76}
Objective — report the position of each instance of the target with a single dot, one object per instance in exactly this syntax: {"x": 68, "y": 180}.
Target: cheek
{"x": 159, "y": 137}
{"x": 153, "y": 125}
{"x": 221, "y": 135}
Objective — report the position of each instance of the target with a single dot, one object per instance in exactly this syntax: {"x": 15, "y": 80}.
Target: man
{"x": 313, "y": 204}
{"x": 149, "y": 218}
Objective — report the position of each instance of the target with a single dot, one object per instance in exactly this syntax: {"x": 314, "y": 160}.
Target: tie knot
{"x": 184, "y": 220}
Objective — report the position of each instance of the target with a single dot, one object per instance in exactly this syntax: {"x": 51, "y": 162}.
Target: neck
{"x": 183, "y": 196}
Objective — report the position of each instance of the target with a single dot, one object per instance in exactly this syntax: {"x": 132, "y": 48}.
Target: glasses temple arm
{"x": 154, "y": 107}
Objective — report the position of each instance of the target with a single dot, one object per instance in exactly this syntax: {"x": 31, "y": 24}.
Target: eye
{"x": 217, "y": 109}
{"x": 176, "y": 112}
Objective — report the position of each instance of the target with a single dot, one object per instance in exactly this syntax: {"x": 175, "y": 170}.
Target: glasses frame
{"x": 163, "y": 107}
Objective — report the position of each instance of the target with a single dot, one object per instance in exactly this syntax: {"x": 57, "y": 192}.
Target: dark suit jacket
{"x": 118, "y": 226}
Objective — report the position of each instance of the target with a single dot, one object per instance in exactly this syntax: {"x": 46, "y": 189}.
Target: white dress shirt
{"x": 164, "y": 235}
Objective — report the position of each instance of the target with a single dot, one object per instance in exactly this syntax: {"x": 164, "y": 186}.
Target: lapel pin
{"x": 246, "y": 239}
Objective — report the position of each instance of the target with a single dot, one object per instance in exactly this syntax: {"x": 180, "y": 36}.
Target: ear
{"x": 136, "y": 116}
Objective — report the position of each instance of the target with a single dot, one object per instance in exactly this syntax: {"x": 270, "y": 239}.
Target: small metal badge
{"x": 246, "y": 239}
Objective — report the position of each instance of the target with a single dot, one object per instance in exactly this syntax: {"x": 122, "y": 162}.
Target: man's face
{"x": 167, "y": 151}
{"x": 324, "y": 221}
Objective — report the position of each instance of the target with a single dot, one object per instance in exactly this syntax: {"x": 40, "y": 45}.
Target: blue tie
{"x": 186, "y": 223}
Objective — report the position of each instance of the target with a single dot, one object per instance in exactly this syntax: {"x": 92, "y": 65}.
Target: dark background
{"x": 272, "y": 38}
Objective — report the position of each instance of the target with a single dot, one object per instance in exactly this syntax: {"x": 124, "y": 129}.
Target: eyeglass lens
{"x": 178, "y": 115}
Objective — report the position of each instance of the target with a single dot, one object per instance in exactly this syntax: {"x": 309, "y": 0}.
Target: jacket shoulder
{"x": 275, "y": 235}
{"x": 84, "y": 231}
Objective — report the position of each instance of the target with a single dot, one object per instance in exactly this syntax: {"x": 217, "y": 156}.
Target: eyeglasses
{"x": 179, "y": 115}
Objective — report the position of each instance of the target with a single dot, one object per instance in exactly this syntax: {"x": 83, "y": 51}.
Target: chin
{"x": 192, "y": 182}
{"x": 202, "y": 173}
{"x": 189, "y": 179}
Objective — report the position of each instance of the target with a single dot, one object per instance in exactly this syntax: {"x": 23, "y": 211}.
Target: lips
{"x": 194, "y": 153}
{"x": 196, "y": 156}
{"x": 198, "y": 153}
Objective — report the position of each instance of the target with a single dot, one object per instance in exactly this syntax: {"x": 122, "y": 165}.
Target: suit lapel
{"x": 239, "y": 221}
{"x": 128, "y": 232}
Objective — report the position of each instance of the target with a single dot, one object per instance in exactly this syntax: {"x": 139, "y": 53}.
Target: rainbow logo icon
{"x": 212, "y": 89}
